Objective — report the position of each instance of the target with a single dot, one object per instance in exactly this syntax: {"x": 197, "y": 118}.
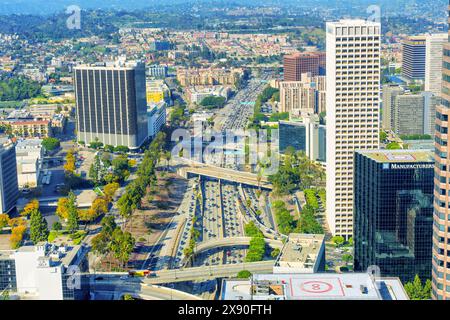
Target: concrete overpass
{"x": 226, "y": 174}
{"x": 207, "y": 273}
{"x": 229, "y": 242}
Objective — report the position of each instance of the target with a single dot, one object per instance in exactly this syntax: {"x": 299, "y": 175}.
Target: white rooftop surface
{"x": 318, "y": 286}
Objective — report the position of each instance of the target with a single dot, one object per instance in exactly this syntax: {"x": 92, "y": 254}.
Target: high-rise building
{"x": 433, "y": 62}
{"x": 303, "y": 97}
{"x": 414, "y": 51}
{"x": 9, "y": 188}
{"x": 353, "y": 105}
{"x": 299, "y": 63}
{"x": 390, "y": 91}
{"x": 393, "y": 212}
{"x": 111, "y": 104}
{"x": 441, "y": 226}
{"x": 412, "y": 113}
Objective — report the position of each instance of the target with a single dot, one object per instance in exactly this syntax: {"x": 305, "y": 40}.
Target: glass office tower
{"x": 393, "y": 212}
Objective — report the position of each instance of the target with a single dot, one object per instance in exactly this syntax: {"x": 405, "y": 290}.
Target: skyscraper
{"x": 390, "y": 91}
{"x": 433, "y": 62}
{"x": 111, "y": 104}
{"x": 353, "y": 86}
{"x": 413, "y": 66}
{"x": 303, "y": 62}
{"x": 393, "y": 211}
{"x": 9, "y": 188}
{"x": 441, "y": 225}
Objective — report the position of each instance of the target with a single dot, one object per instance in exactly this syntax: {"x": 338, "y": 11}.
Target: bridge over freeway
{"x": 209, "y": 272}
{"x": 234, "y": 241}
{"x": 226, "y": 174}
{"x": 197, "y": 273}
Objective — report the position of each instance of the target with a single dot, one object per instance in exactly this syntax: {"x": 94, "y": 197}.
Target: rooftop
{"x": 300, "y": 251}
{"x": 399, "y": 156}
{"x": 316, "y": 286}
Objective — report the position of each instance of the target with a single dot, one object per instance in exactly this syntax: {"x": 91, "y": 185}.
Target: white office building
{"x": 45, "y": 272}
{"x": 29, "y": 157}
{"x": 433, "y": 62}
{"x": 353, "y": 98}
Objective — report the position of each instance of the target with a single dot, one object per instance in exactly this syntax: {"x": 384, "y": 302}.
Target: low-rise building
{"x": 301, "y": 253}
{"x": 197, "y": 94}
{"x": 157, "y": 91}
{"x": 313, "y": 286}
{"x": 29, "y": 128}
{"x": 45, "y": 272}
{"x": 208, "y": 76}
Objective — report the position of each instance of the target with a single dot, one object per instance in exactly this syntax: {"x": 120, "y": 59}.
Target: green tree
{"x": 418, "y": 291}
{"x": 57, "y": 226}
{"x": 72, "y": 211}
{"x": 244, "y": 274}
{"x": 38, "y": 227}
{"x": 50, "y": 143}
{"x": 122, "y": 245}
{"x": 338, "y": 241}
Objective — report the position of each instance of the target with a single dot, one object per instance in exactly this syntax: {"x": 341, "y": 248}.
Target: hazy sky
{"x": 51, "y": 6}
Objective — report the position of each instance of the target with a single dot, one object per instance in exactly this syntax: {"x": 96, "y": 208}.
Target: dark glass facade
{"x": 292, "y": 135}
{"x": 9, "y": 187}
{"x": 7, "y": 275}
{"x": 393, "y": 212}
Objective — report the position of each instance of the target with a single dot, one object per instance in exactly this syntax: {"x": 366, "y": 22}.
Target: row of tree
{"x": 146, "y": 176}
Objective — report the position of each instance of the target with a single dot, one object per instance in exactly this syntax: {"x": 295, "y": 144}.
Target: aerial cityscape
{"x": 224, "y": 150}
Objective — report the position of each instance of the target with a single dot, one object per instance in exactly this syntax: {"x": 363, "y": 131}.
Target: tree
{"x": 338, "y": 241}
{"x": 4, "y": 220}
{"x": 69, "y": 166}
{"x": 61, "y": 208}
{"x": 122, "y": 245}
{"x": 38, "y": 227}
{"x": 17, "y": 233}
{"x": 57, "y": 226}
{"x": 275, "y": 252}
{"x": 110, "y": 190}
{"x": 244, "y": 274}
{"x": 50, "y": 143}
{"x": 121, "y": 149}
{"x": 347, "y": 258}
{"x": 417, "y": 291}
{"x": 72, "y": 213}
{"x": 30, "y": 207}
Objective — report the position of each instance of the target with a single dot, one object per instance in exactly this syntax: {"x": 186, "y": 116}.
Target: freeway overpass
{"x": 229, "y": 242}
{"x": 195, "y": 273}
{"x": 207, "y": 273}
{"x": 226, "y": 174}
